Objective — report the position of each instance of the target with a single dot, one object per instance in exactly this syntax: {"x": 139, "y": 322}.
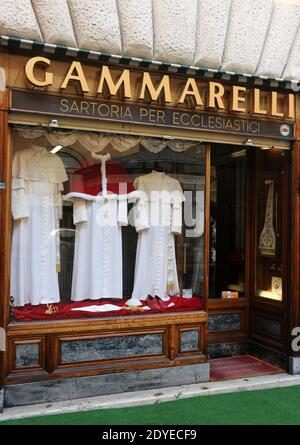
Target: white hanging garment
{"x": 158, "y": 216}
{"x": 37, "y": 185}
{"x": 99, "y": 214}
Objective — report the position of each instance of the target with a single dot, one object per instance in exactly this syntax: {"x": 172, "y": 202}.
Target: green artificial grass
{"x": 279, "y": 406}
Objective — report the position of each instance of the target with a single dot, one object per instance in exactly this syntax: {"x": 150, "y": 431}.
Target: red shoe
{"x": 153, "y": 303}
{"x": 162, "y": 304}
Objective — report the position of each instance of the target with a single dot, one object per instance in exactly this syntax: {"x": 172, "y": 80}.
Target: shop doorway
{"x": 248, "y": 253}
{"x": 270, "y": 234}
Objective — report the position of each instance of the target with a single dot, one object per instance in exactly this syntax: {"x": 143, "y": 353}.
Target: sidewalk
{"x": 150, "y": 397}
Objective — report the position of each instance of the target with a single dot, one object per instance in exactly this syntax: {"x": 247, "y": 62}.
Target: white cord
{"x": 103, "y": 159}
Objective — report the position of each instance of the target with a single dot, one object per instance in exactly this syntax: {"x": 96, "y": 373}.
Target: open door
{"x": 269, "y": 258}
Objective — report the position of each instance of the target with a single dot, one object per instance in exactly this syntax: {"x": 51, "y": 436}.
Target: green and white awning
{"x": 19, "y": 45}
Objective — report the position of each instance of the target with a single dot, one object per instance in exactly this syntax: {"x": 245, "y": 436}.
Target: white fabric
{"x": 37, "y": 184}
{"x": 103, "y": 159}
{"x": 179, "y": 145}
{"x": 132, "y": 196}
{"x": 97, "y": 269}
{"x": 94, "y": 141}
{"x": 155, "y": 145}
{"x": 31, "y": 133}
{"x": 158, "y": 216}
{"x": 98, "y": 308}
{"x": 63, "y": 138}
{"x": 37, "y": 164}
{"x": 124, "y": 143}
{"x": 100, "y": 141}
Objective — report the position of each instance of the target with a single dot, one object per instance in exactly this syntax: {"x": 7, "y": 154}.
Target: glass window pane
{"x": 116, "y": 233}
{"x": 227, "y": 221}
{"x": 269, "y": 224}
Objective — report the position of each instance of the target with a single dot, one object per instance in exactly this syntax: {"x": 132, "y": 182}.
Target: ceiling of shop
{"x": 260, "y": 37}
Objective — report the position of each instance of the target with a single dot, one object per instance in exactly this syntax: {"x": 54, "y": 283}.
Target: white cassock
{"x": 37, "y": 185}
{"x": 97, "y": 268}
{"x": 158, "y": 216}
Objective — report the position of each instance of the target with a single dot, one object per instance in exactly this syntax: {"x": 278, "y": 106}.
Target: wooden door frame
{"x": 294, "y": 315}
{"x": 277, "y": 311}
{"x": 5, "y": 193}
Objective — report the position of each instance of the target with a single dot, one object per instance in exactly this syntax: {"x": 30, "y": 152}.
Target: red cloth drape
{"x": 64, "y": 311}
{"x": 88, "y": 180}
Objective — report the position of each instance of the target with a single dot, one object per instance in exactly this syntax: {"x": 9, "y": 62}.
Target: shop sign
{"x": 196, "y": 93}
{"x": 132, "y": 113}
{"x": 138, "y": 97}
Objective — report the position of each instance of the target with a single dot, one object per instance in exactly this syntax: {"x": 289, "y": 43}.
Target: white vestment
{"x": 158, "y": 216}
{"x": 97, "y": 269}
{"x": 37, "y": 185}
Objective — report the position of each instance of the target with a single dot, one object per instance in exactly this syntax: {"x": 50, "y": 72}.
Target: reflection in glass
{"x": 227, "y": 221}
{"x": 269, "y": 224}
{"x": 95, "y": 265}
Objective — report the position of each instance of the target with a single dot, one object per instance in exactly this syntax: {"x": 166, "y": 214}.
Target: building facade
{"x": 149, "y": 192}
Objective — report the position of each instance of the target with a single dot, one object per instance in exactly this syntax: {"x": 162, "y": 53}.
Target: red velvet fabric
{"x": 64, "y": 311}
{"x": 88, "y": 180}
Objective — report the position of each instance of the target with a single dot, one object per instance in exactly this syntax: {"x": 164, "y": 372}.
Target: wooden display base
{"x": 74, "y": 348}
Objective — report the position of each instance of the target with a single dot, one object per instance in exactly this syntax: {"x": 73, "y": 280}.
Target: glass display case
{"x": 269, "y": 226}
{"x": 114, "y": 224}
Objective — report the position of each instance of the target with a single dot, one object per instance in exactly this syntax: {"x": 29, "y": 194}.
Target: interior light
{"x": 248, "y": 142}
{"x": 238, "y": 154}
{"x": 53, "y": 123}
{"x": 56, "y": 149}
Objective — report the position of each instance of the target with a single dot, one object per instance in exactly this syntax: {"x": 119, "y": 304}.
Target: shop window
{"x": 269, "y": 255}
{"x": 105, "y": 224}
{"x": 227, "y": 222}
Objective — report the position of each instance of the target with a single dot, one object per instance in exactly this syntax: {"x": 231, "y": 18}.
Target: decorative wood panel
{"x": 268, "y": 324}
{"x": 190, "y": 340}
{"x": 227, "y": 321}
{"x": 26, "y": 354}
{"x": 76, "y": 348}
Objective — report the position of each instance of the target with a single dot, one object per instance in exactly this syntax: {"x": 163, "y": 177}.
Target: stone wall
{"x": 251, "y": 36}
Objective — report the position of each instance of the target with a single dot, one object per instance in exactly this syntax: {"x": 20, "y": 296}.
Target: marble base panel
{"x": 75, "y": 388}
{"x": 220, "y": 350}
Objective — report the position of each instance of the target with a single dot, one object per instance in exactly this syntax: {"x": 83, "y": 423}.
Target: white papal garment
{"x": 37, "y": 184}
{"x": 158, "y": 216}
{"x": 97, "y": 268}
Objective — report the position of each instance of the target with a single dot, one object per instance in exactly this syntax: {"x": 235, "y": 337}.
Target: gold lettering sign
{"x": 257, "y": 101}
{"x": 164, "y": 86}
{"x": 237, "y": 99}
{"x": 124, "y": 80}
{"x": 215, "y": 95}
{"x": 76, "y": 73}
{"x": 139, "y": 86}
{"x": 190, "y": 89}
{"x": 30, "y": 68}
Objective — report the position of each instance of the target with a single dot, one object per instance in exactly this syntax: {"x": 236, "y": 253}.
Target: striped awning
{"x": 67, "y": 52}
